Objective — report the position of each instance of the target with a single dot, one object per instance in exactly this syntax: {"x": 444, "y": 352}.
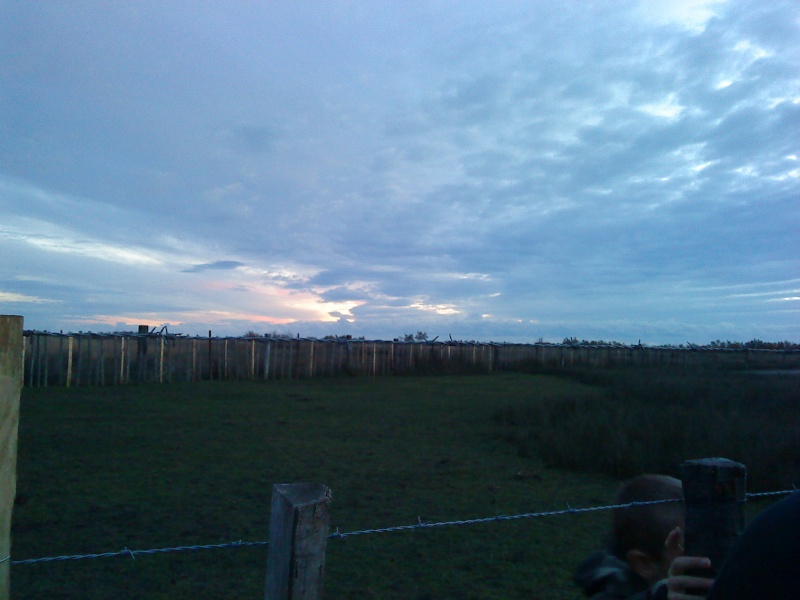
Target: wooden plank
{"x": 161, "y": 359}
{"x": 105, "y": 356}
{"x": 121, "y": 374}
{"x": 267, "y": 351}
{"x": 128, "y": 363}
{"x": 298, "y": 532}
{"x": 88, "y": 359}
{"x": 70, "y": 342}
{"x": 225, "y": 371}
{"x": 141, "y": 353}
{"x": 210, "y": 358}
{"x": 60, "y": 361}
{"x": 34, "y": 343}
{"x": 46, "y": 364}
{"x": 193, "y": 375}
{"x": 12, "y": 368}
{"x": 79, "y": 360}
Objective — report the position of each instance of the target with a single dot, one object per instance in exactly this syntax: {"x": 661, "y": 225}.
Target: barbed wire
{"x": 778, "y": 493}
{"x": 568, "y": 510}
{"x": 338, "y": 535}
{"x": 133, "y": 553}
{"x": 551, "y": 513}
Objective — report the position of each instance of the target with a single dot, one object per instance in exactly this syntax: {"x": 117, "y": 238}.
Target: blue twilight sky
{"x": 495, "y": 171}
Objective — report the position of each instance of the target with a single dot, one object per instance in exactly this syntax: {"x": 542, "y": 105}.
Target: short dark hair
{"x": 646, "y": 527}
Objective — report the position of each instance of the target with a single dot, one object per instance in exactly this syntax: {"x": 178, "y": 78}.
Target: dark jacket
{"x": 604, "y": 576}
{"x": 764, "y": 563}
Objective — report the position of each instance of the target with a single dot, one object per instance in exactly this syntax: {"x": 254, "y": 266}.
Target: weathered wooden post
{"x": 70, "y": 343}
{"x": 162, "y": 343}
{"x": 141, "y": 360}
{"x": 46, "y": 364}
{"x": 121, "y": 377}
{"x": 267, "y": 351}
{"x": 11, "y": 375}
{"x": 89, "y": 358}
{"x": 298, "y": 531}
{"x": 34, "y": 342}
{"x": 714, "y": 492}
{"x": 101, "y": 371}
{"x": 225, "y": 361}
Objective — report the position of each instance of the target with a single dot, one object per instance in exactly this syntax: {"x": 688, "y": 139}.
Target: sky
{"x": 491, "y": 171}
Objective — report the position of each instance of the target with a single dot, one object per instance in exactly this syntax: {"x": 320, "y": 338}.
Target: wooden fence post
{"x": 121, "y": 378}
{"x": 141, "y": 354}
{"x": 210, "y": 358}
{"x": 714, "y": 492}
{"x": 298, "y": 531}
{"x": 11, "y": 375}
{"x": 70, "y": 344}
{"x": 225, "y": 367}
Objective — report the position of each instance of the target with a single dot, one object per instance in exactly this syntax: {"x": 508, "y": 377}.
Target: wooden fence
{"x": 112, "y": 359}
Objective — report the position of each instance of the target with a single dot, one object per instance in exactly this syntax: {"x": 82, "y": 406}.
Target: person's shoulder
{"x": 603, "y": 576}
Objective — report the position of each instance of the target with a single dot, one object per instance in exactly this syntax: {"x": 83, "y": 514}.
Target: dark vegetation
{"x": 754, "y": 344}
{"x": 154, "y": 466}
{"x": 651, "y": 419}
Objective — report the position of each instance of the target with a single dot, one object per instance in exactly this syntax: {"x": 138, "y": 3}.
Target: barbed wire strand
{"x": 551, "y": 513}
{"x": 133, "y": 553}
{"x": 778, "y": 493}
{"x": 338, "y": 535}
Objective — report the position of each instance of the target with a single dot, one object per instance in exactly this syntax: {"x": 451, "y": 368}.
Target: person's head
{"x": 639, "y": 532}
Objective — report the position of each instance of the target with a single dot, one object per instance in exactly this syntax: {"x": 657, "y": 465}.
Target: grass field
{"x": 100, "y": 469}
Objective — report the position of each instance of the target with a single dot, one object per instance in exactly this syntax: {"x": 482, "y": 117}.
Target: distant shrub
{"x": 651, "y": 420}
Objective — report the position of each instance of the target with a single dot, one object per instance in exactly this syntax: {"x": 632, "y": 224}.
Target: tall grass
{"x": 652, "y": 419}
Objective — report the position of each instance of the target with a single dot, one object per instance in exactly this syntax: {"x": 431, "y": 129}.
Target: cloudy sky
{"x": 493, "y": 171}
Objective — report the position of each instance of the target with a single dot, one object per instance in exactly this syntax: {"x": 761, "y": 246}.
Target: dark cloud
{"x": 220, "y": 265}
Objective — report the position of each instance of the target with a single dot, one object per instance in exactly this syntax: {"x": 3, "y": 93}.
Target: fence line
{"x": 337, "y": 535}
{"x": 114, "y": 359}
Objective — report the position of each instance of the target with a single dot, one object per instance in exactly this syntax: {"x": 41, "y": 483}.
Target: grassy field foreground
{"x": 100, "y": 469}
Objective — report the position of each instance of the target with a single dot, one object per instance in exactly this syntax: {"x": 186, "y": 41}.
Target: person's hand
{"x": 673, "y": 547}
{"x": 679, "y": 585}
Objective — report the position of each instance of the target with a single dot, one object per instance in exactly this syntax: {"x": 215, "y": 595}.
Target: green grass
{"x": 150, "y": 466}
{"x": 652, "y": 419}
{"x": 142, "y": 467}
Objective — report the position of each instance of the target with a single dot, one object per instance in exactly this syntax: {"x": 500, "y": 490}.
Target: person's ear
{"x": 641, "y": 563}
